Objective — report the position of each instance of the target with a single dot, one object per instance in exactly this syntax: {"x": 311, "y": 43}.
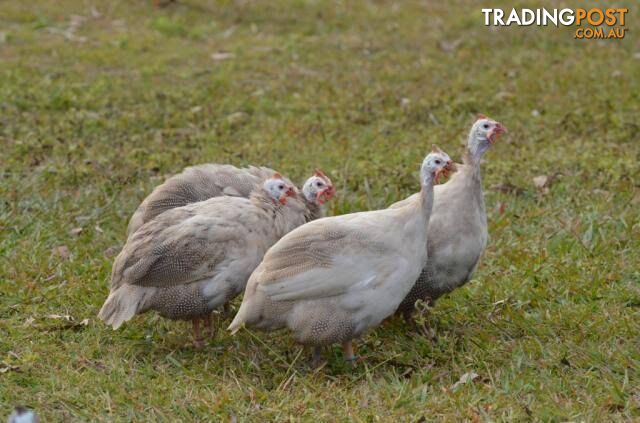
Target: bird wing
{"x": 319, "y": 261}
{"x": 198, "y": 183}
{"x": 183, "y": 245}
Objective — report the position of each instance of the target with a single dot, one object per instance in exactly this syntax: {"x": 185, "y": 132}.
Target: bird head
{"x": 436, "y": 164}
{"x": 278, "y": 189}
{"x": 484, "y": 133}
{"x": 318, "y": 189}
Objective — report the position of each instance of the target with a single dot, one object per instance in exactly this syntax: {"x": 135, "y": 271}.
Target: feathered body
{"x": 457, "y": 237}
{"x": 458, "y": 228}
{"x": 331, "y": 279}
{"x": 334, "y": 278}
{"x": 191, "y": 260}
{"x": 199, "y": 183}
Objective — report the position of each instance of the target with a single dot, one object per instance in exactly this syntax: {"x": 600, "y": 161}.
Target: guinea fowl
{"x": 458, "y": 226}
{"x": 23, "y": 415}
{"x": 315, "y": 192}
{"x": 199, "y": 183}
{"x": 190, "y": 260}
{"x": 332, "y": 279}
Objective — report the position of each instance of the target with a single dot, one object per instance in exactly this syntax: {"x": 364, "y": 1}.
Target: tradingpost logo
{"x": 596, "y": 23}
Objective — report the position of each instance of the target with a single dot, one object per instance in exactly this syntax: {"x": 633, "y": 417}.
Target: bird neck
{"x": 263, "y": 201}
{"x": 471, "y": 168}
{"x": 426, "y": 195}
{"x": 476, "y": 148}
{"x": 313, "y": 210}
{"x": 467, "y": 181}
{"x": 278, "y": 216}
{"x": 473, "y": 156}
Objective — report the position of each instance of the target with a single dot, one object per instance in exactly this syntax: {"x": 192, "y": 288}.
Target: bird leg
{"x": 411, "y": 322}
{"x": 209, "y": 326}
{"x": 316, "y": 358}
{"x": 426, "y": 329}
{"x": 408, "y": 317}
{"x": 197, "y": 336}
{"x": 422, "y": 327}
{"x": 349, "y": 356}
{"x": 225, "y": 312}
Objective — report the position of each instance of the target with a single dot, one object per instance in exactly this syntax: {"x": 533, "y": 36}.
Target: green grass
{"x": 95, "y": 111}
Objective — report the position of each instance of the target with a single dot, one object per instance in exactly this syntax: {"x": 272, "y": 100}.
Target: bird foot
{"x": 353, "y": 361}
{"x": 408, "y": 318}
{"x": 317, "y": 363}
{"x": 425, "y": 330}
{"x": 210, "y": 328}
{"x": 316, "y": 359}
{"x": 197, "y": 337}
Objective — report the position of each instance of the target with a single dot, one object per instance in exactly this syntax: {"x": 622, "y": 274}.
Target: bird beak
{"x": 446, "y": 170}
{"x": 325, "y": 195}
{"x": 496, "y": 132}
{"x": 291, "y": 192}
{"x": 439, "y": 172}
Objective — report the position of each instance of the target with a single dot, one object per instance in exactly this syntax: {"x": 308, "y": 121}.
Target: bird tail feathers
{"x": 124, "y": 303}
{"x": 238, "y": 321}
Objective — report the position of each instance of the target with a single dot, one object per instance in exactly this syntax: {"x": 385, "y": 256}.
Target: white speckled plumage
{"x": 458, "y": 226}
{"x": 332, "y": 279}
{"x": 193, "y": 259}
{"x": 199, "y": 183}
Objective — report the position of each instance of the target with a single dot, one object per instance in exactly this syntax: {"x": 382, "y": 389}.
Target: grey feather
{"x": 198, "y": 183}
{"x": 457, "y": 238}
{"x": 192, "y": 259}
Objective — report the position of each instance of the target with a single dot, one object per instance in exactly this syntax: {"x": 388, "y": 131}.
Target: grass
{"x": 100, "y": 101}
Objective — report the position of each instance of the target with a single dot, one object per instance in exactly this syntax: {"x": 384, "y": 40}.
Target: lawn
{"x": 101, "y": 101}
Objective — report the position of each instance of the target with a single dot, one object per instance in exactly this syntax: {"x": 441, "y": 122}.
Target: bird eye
{"x": 319, "y": 184}
{"x": 280, "y": 186}
{"x": 485, "y": 126}
{"x": 438, "y": 161}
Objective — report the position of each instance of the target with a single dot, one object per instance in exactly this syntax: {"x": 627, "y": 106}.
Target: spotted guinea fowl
{"x": 199, "y": 183}
{"x": 190, "y": 260}
{"x": 332, "y": 279}
{"x": 458, "y": 225}
{"x": 23, "y": 415}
